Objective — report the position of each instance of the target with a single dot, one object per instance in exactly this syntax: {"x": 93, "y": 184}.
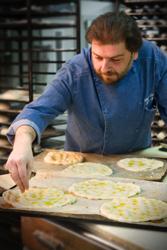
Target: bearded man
{"x": 111, "y": 93}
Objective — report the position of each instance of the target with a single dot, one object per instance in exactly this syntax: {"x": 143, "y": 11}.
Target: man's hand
{"x": 20, "y": 161}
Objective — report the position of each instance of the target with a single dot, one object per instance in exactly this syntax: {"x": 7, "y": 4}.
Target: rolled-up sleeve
{"x": 12, "y": 130}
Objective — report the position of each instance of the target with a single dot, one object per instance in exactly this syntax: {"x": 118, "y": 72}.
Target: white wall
{"x": 89, "y": 10}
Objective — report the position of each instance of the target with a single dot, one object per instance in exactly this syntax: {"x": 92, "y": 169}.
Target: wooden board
{"x": 110, "y": 161}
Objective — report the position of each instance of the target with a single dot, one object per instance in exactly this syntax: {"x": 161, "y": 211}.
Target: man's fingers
{"x": 23, "y": 177}
{"x": 15, "y": 176}
{"x": 29, "y": 173}
{"x": 18, "y": 172}
{"x": 20, "y": 167}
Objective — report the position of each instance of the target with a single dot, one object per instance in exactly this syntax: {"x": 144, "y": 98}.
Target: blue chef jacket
{"x": 102, "y": 119}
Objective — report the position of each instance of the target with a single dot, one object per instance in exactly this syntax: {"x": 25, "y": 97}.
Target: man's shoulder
{"x": 80, "y": 63}
{"x": 149, "y": 50}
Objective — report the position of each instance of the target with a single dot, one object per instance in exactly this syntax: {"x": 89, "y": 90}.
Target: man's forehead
{"x": 113, "y": 56}
{"x": 109, "y": 50}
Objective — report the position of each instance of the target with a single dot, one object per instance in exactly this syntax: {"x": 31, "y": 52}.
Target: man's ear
{"x": 135, "y": 55}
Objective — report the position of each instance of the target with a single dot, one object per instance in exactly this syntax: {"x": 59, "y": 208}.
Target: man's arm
{"x": 20, "y": 161}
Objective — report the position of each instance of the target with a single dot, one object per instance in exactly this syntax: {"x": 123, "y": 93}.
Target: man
{"x": 111, "y": 93}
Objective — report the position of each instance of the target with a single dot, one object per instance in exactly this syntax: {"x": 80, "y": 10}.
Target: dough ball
{"x": 4, "y": 118}
{"x": 4, "y": 131}
{"x": 11, "y": 95}
{"x": 4, "y": 106}
{"x": 4, "y": 142}
{"x": 3, "y": 152}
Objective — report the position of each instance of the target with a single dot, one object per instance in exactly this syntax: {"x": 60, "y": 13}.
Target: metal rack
{"x": 151, "y": 16}
{"x": 36, "y": 38}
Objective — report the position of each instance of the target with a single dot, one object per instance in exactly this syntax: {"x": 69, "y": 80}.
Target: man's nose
{"x": 105, "y": 66}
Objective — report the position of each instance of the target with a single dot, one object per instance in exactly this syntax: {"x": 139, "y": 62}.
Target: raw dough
{"x": 134, "y": 209}
{"x": 87, "y": 169}
{"x": 38, "y": 198}
{"x": 11, "y": 95}
{"x": 99, "y": 189}
{"x": 139, "y": 164}
{"x": 4, "y": 131}
{"x": 4, "y": 142}
{"x": 4, "y": 118}
{"x": 4, "y": 106}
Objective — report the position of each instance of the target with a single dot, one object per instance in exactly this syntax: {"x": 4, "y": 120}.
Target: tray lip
{"x": 77, "y": 218}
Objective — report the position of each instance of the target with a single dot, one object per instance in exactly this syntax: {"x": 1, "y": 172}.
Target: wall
{"x": 89, "y": 11}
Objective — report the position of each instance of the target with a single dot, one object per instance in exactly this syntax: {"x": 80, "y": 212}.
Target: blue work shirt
{"x": 102, "y": 119}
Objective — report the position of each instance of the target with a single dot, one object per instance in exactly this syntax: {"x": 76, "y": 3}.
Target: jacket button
{"x": 106, "y": 111}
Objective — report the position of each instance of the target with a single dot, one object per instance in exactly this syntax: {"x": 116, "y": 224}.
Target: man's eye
{"x": 116, "y": 60}
{"x": 98, "y": 58}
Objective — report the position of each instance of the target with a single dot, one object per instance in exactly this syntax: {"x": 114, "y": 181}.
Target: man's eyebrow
{"x": 109, "y": 57}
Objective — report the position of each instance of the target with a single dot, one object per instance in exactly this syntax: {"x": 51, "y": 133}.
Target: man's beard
{"x": 118, "y": 76}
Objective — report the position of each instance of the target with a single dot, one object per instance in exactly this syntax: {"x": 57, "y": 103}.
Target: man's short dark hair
{"x": 113, "y": 28}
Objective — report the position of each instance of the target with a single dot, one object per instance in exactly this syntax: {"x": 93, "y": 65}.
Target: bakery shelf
{"x": 37, "y": 38}
{"x": 5, "y": 124}
{"x": 144, "y": 1}
{"x": 52, "y": 143}
{"x": 20, "y": 3}
{"x": 159, "y": 127}
{"x": 13, "y": 76}
{"x": 152, "y": 14}
{"x": 155, "y": 39}
{"x": 158, "y": 140}
{"x": 10, "y": 111}
{"x": 4, "y": 157}
{"x": 35, "y": 14}
{"x": 38, "y": 50}
{"x": 48, "y": 61}
{"x": 48, "y": 134}
{"x": 12, "y": 63}
{"x": 15, "y": 101}
{"x": 147, "y": 14}
{"x": 152, "y": 26}
{"x": 11, "y": 26}
{"x": 11, "y": 88}
{"x": 58, "y": 122}
{"x": 7, "y": 148}
{"x": 43, "y": 73}
{"x": 26, "y": 62}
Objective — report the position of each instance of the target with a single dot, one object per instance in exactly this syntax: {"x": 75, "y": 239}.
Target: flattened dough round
{"x": 103, "y": 189}
{"x": 140, "y": 164}
{"x": 63, "y": 158}
{"x": 38, "y": 198}
{"x": 134, "y": 209}
{"x": 87, "y": 169}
